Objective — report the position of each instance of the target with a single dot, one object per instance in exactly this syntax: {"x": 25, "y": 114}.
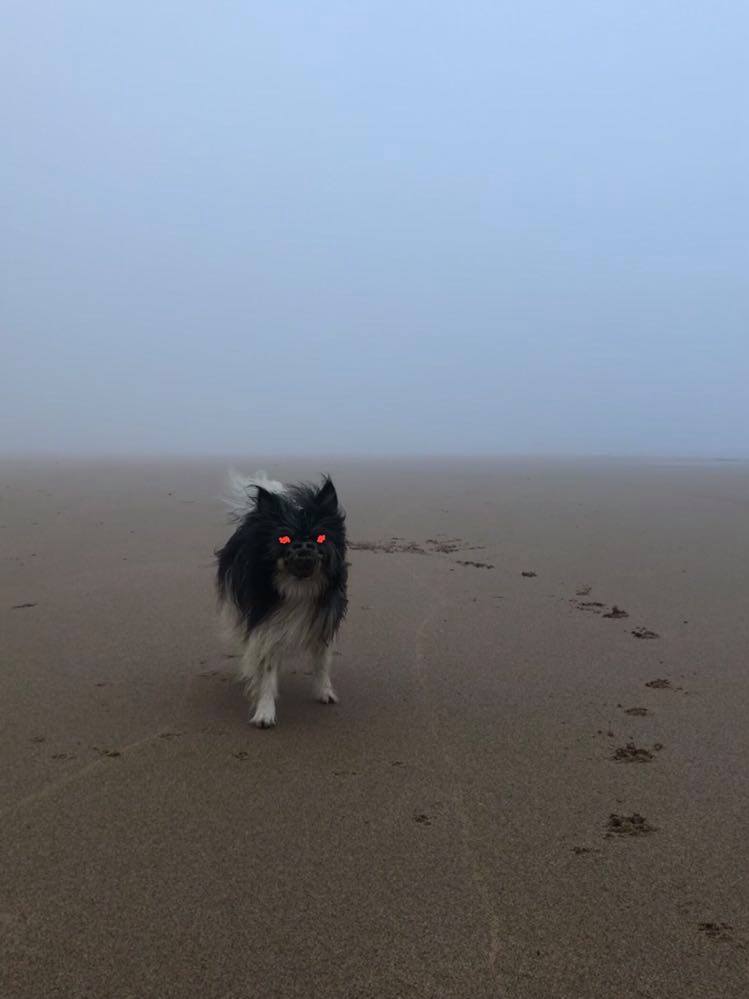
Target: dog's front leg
{"x": 323, "y": 684}
{"x": 261, "y": 675}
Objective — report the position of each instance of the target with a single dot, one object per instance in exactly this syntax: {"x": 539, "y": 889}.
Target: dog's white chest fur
{"x": 292, "y": 626}
{"x": 295, "y": 624}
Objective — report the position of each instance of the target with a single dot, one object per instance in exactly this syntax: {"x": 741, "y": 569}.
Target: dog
{"x": 281, "y": 580}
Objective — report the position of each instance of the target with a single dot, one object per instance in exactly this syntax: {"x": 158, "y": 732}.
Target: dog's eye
{"x": 320, "y": 539}
{"x": 284, "y": 540}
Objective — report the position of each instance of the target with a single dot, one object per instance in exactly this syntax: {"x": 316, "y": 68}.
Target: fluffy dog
{"x": 282, "y": 583}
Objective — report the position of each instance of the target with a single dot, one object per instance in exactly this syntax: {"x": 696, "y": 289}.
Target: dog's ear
{"x": 265, "y": 501}
{"x": 327, "y": 498}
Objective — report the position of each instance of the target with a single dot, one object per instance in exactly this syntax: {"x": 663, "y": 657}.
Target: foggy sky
{"x": 383, "y": 226}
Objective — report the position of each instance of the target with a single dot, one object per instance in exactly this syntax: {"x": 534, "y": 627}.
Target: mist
{"x": 374, "y": 228}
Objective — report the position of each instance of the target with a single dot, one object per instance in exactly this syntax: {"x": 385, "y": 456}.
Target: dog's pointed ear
{"x": 327, "y": 497}
{"x": 265, "y": 501}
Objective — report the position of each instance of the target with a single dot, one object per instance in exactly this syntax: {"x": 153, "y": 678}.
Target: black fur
{"x": 248, "y": 562}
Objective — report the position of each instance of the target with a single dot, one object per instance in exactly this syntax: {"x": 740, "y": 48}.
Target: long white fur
{"x": 240, "y": 497}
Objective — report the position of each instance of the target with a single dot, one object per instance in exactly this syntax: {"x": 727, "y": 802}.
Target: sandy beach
{"x": 535, "y": 785}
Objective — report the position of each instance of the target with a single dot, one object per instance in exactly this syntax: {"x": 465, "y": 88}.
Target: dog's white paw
{"x": 326, "y": 695}
{"x": 264, "y": 717}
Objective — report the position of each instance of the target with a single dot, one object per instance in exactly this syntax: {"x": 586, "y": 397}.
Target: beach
{"x": 535, "y": 786}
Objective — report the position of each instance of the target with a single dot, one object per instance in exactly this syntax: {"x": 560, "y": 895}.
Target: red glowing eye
{"x": 320, "y": 539}
{"x": 284, "y": 540}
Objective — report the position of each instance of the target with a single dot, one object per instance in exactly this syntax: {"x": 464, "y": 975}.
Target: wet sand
{"x": 535, "y": 786}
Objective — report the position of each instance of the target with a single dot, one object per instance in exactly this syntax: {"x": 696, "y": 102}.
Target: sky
{"x": 375, "y": 227}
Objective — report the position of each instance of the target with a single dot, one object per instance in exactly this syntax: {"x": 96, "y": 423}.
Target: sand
{"x": 521, "y": 794}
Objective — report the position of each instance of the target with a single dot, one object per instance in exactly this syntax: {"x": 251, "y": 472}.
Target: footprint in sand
{"x": 390, "y": 547}
{"x": 594, "y": 606}
{"x": 450, "y": 545}
{"x": 630, "y": 753}
{"x": 616, "y": 613}
{"x": 628, "y": 825}
{"x": 716, "y": 931}
{"x": 400, "y": 545}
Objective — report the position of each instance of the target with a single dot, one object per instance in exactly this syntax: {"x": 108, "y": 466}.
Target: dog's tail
{"x": 240, "y": 495}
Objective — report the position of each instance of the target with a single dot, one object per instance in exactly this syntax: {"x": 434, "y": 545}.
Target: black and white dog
{"x": 282, "y": 582}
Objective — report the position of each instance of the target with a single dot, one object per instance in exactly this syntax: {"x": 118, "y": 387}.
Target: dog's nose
{"x": 303, "y": 548}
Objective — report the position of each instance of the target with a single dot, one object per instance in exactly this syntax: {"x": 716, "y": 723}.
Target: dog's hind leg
{"x": 323, "y": 660}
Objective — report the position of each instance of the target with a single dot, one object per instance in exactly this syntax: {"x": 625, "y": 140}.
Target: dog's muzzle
{"x": 302, "y": 559}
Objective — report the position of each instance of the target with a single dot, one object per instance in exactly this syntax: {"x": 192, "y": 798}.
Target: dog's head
{"x": 304, "y": 530}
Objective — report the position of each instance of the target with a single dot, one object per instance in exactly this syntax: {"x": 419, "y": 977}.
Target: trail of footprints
{"x": 432, "y": 546}
{"x": 623, "y": 826}
{"x": 635, "y": 825}
{"x": 615, "y": 613}
{"x": 618, "y": 826}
